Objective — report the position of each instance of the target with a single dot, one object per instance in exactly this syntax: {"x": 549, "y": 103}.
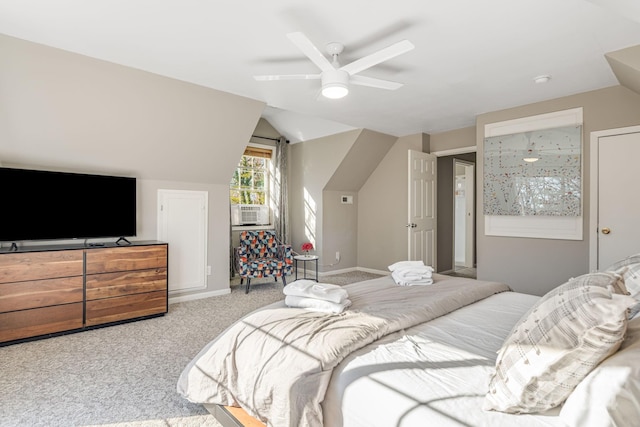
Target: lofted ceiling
{"x": 470, "y": 56}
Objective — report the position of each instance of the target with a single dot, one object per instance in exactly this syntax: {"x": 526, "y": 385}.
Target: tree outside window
{"x": 250, "y": 181}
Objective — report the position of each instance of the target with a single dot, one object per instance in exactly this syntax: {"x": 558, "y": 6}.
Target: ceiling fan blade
{"x": 309, "y": 49}
{"x": 380, "y": 56}
{"x": 371, "y": 82}
{"x": 288, "y": 77}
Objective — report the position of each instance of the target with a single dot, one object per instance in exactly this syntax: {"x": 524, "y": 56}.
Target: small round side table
{"x": 304, "y": 259}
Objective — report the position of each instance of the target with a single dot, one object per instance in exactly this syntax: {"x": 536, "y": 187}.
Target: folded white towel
{"x": 311, "y": 289}
{"x": 408, "y": 276}
{"x": 414, "y": 272}
{"x": 314, "y": 304}
{"x": 410, "y": 282}
{"x": 401, "y": 264}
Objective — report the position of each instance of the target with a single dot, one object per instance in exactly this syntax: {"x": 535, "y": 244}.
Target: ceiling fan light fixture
{"x": 335, "y": 84}
{"x": 334, "y": 90}
{"x": 531, "y": 156}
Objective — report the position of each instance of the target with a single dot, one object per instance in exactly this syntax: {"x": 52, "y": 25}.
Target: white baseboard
{"x": 340, "y": 271}
{"x": 374, "y": 271}
{"x": 199, "y": 295}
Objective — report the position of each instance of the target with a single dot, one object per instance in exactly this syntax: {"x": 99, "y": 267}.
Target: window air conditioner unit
{"x": 250, "y": 214}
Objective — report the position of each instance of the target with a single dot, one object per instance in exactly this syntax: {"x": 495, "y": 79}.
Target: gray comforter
{"x": 276, "y": 362}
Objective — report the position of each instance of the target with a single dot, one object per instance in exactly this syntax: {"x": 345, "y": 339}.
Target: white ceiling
{"x": 470, "y": 56}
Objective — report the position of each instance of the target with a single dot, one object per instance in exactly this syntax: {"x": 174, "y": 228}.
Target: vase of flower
{"x": 306, "y": 247}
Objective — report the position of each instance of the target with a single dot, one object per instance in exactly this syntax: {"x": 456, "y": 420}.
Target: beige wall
{"x": 340, "y": 231}
{"x": 382, "y": 208}
{"x": 537, "y": 265}
{"x": 458, "y": 138}
{"x": 64, "y": 111}
{"x": 312, "y": 164}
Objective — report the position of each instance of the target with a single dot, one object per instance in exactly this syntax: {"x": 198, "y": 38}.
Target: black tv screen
{"x": 47, "y": 205}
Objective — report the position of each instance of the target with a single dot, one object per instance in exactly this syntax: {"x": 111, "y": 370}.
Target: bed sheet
{"x": 433, "y": 374}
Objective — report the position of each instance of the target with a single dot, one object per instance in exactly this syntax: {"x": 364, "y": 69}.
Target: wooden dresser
{"x": 50, "y": 290}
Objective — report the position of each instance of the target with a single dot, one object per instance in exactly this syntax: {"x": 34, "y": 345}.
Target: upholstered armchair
{"x": 261, "y": 255}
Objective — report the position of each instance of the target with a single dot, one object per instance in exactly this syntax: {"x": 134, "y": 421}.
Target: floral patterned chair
{"x": 261, "y": 255}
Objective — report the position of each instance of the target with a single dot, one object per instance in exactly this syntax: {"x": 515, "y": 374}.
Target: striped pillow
{"x": 557, "y": 343}
{"x": 629, "y": 269}
{"x": 611, "y": 280}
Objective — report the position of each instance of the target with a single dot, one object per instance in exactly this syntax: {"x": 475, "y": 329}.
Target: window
{"x": 249, "y": 188}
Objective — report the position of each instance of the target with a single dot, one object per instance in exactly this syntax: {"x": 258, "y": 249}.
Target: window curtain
{"x": 281, "y": 201}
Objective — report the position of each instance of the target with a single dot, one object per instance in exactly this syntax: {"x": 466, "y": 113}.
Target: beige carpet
{"x": 124, "y": 375}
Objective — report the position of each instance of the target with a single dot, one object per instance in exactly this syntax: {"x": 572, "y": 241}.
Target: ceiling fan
{"x": 335, "y": 78}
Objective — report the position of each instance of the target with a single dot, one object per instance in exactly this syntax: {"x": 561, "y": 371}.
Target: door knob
{"x": 606, "y": 230}
{"x": 412, "y": 225}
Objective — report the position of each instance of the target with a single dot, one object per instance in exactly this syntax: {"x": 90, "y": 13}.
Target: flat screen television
{"x": 48, "y": 205}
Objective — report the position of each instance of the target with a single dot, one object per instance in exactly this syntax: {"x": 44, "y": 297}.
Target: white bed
{"x": 431, "y": 369}
{"x": 437, "y": 371}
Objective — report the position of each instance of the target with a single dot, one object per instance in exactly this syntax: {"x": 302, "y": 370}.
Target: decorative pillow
{"x": 611, "y": 280}
{"x": 557, "y": 343}
{"x": 631, "y": 259}
{"x": 610, "y": 395}
{"x": 629, "y": 269}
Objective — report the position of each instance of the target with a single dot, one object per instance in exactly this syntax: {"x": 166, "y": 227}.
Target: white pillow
{"x": 611, "y": 280}
{"x": 557, "y": 343}
{"x": 610, "y": 395}
{"x": 630, "y": 272}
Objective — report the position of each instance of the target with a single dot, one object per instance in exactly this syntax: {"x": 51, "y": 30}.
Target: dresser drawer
{"x": 126, "y": 307}
{"x": 40, "y": 321}
{"x": 109, "y": 260}
{"x": 122, "y": 283}
{"x": 40, "y": 293}
{"x": 40, "y": 265}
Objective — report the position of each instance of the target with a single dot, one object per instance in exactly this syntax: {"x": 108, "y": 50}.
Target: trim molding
{"x": 199, "y": 295}
{"x": 454, "y": 151}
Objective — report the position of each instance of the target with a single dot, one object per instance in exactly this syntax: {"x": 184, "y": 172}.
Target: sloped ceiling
{"x": 625, "y": 64}
{"x": 363, "y": 157}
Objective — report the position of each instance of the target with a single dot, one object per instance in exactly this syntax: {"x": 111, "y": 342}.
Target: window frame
{"x": 268, "y": 153}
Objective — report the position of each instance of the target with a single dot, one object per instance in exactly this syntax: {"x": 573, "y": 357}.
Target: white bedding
{"x": 433, "y": 374}
{"x": 277, "y": 362}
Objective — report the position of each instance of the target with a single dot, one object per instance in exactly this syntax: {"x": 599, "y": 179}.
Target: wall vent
{"x": 346, "y": 200}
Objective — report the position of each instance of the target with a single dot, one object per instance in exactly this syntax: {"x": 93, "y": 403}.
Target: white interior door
{"x": 182, "y": 222}
{"x": 618, "y": 233}
{"x": 421, "y": 224}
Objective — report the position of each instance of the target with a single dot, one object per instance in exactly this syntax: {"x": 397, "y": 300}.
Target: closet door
{"x": 182, "y": 222}
{"x": 618, "y": 206}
